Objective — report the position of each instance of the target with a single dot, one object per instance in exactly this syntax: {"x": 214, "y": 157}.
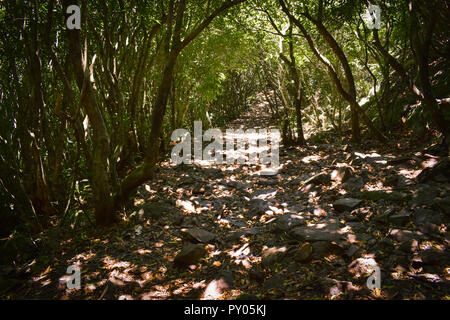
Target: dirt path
{"x": 317, "y": 229}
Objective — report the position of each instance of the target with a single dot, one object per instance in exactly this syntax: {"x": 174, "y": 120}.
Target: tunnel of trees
{"x": 87, "y": 113}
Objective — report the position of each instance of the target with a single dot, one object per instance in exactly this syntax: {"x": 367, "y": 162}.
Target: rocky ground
{"x": 316, "y": 230}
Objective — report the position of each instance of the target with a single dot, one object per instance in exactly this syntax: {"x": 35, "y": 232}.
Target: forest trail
{"x": 256, "y": 116}
{"x": 317, "y": 229}
{"x": 355, "y": 205}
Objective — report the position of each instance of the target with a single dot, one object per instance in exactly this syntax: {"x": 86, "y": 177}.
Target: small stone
{"x": 236, "y": 235}
{"x": 409, "y": 246}
{"x": 424, "y": 216}
{"x": 362, "y": 266}
{"x": 217, "y": 287}
{"x": 326, "y": 230}
{"x": 353, "y": 184}
{"x": 383, "y": 217}
{"x": 442, "y": 204}
{"x": 155, "y": 210}
{"x": 438, "y": 171}
{"x": 178, "y": 220}
{"x": 318, "y": 179}
{"x": 275, "y": 282}
{"x": 200, "y": 235}
{"x": 400, "y": 218}
{"x": 190, "y": 255}
{"x": 272, "y": 255}
{"x": 404, "y": 235}
{"x": 286, "y": 222}
{"x": 425, "y": 195}
{"x": 256, "y": 275}
{"x": 403, "y": 182}
{"x": 346, "y": 204}
{"x": 322, "y": 249}
{"x": 391, "y": 180}
{"x": 237, "y": 223}
{"x": 351, "y": 251}
{"x": 385, "y": 246}
{"x": 431, "y": 256}
{"x": 341, "y": 175}
{"x": 267, "y": 182}
{"x": 357, "y": 226}
{"x": 364, "y": 237}
{"x": 303, "y": 253}
{"x": 258, "y": 206}
{"x": 378, "y": 195}
{"x": 198, "y": 189}
{"x": 429, "y": 229}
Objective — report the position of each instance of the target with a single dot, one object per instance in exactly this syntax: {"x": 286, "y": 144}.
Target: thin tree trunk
{"x": 146, "y": 170}
{"x": 103, "y": 204}
{"x": 350, "y": 97}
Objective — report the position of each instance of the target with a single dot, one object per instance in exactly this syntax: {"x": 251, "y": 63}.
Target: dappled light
{"x": 224, "y": 150}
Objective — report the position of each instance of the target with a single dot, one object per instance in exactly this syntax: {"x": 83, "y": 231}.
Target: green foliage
{"x": 48, "y": 138}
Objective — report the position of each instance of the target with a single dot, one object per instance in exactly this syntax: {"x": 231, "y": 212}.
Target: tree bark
{"x": 146, "y": 170}
{"x": 101, "y": 186}
{"x": 349, "y": 96}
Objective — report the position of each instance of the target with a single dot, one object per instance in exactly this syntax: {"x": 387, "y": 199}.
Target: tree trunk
{"x": 350, "y": 96}
{"x": 421, "y": 48}
{"x": 103, "y": 204}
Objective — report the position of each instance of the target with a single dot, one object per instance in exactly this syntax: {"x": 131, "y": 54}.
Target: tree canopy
{"x": 87, "y": 114}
